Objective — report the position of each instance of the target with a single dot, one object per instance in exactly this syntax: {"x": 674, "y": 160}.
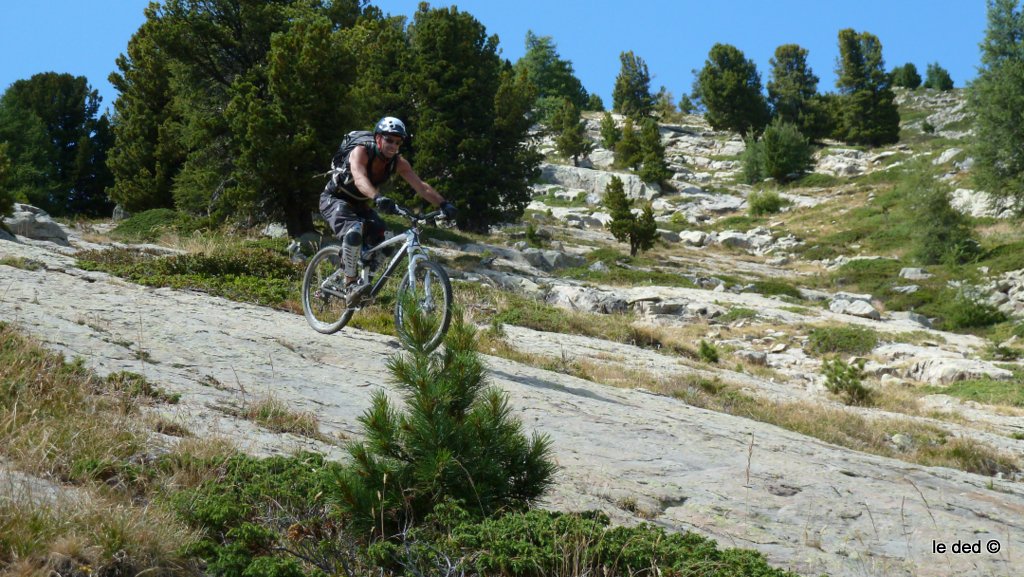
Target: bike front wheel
{"x": 326, "y": 312}
{"x": 430, "y": 292}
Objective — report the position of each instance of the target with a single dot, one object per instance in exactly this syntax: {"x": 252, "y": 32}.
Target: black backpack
{"x": 348, "y": 143}
{"x": 341, "y": 186}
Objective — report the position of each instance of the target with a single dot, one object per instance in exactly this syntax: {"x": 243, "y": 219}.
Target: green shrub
{"x": 782, "y": 153}
{"x": 456, "y": 441}
{"x": 249, "y": 275}
{"x": 736, "y": 314}
{"x": 776, "y": 287}
{"x": 940, "y": 233}
{"x": 968, "y": 312}
{"x": 540, "y": 543}
{"x": 844, "y": 379}
{"x": 708, "y": 353}
{"x": 752, "y": 161}
{"x": 786, "y": 154}
{"x": 841, "y": 340}
{"x": 151, "y": 224}
{"x": 255, "y": 508}
{"x": 765, "y": 202}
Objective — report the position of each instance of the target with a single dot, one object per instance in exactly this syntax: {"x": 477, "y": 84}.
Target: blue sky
{"x": 672, "y": 36}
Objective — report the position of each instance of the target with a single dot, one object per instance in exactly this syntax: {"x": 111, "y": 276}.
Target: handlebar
{"x": 430, "y": 217}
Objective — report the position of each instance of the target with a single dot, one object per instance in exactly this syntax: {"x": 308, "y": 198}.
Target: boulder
{"x": 857, "y": 308}
{"x": 585, "y": 299}
{"x": 596, "y": 181}
{"x": 943, "y": 371}
{"x": 980, "y": 204}
{"x": 34, "y": 223}
{"x": 734, "y": 239}
{"x": 668, "y": 235}
{"x": 548, "y": 260}
{"x": 914, "y": 274}
{"x": 913, "y": 317}
{"x": 947, "y": 156}
{"x": 693, "y": 237}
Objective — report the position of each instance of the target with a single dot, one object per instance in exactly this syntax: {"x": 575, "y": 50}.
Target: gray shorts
{"x": 341, "y": 214}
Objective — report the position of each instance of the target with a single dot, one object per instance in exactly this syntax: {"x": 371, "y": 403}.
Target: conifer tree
{"x": 793, "y": 92}
{"x": 632, "y": 93}
{"x": 866, "y": 108}
{"x": 628, "y": 152}
{"x": 148, "y": 150}
{"x": 455, "y": 441}
{"x": 938, "y": 78}
{"x": 381, "y": 47}
{"x": 906, "y": 76}
{"x": 996, "y": 97}
{"x": 471, "y": 117}
{"x": 255, "y": 117}
{"x": 58, "y": 144}
{"x": 729, "y": 87}
{"x": 610, "y": 133}
{"x": 652, "y": 154}
{"x": 553, "y": 76}
{"x": 639, "y": 231}
{"x": 572, "y": 140}
{"x": 6, "y": 194}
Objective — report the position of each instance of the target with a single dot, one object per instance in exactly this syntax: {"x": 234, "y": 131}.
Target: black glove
{"x": 384, "y": 204}
{"x": 449, "y": 210}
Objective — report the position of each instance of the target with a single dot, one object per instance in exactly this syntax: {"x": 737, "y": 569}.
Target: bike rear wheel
{"x": 327, "y": 313}
{"x": 430, "y": 291}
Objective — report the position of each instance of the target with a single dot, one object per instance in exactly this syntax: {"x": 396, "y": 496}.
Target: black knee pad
{"x": 353, "y": 238}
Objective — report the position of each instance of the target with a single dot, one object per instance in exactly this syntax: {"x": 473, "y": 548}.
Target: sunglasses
{"x": 393, "y": 140}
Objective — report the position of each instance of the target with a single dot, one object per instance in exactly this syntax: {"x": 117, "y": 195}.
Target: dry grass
{"x": 89, "y": 534}
{"x": 275, "y": 414}
{"x": 62, "y": 422}
{"x": 52, "y": 420}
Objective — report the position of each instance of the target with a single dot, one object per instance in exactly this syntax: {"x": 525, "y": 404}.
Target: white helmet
{"x": 390, "y": 125}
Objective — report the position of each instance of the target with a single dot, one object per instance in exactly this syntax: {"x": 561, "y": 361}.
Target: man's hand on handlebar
{"x": 384, "y": 204}
{"x": 449, "y": 210}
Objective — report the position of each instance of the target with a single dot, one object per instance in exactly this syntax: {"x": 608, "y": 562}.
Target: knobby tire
{"x": 325, "y": 313}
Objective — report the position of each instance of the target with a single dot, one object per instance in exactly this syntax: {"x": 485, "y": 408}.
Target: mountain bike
{"x": 425, "y": 284}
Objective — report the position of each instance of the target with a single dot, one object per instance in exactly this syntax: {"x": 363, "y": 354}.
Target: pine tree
{"x": 6, "y": 194}
{"x": 730, "y": 89}
{"x": 639, "y": 231}
{"x": 472, "y": 118}
{"x": 58, "y": 143}
{"x": 906, "y": 76}
{"x": 148, "y": 151}
{"x": 553, "y": 76}
{"x": 793, "y": 92}
{"x": 610, "y": 133}
{"x": 227, "y": 108}
{"x": 628, "y": 152}
{"x": 996, "y": 97}
{"x": 456, "y": 441}
{"x": 867, "y": 112}
{"x": 381, "y": 47}
{"x": 938, "y": 78}
{"x": 572, "y": 140}
{"x": 652, "y": 154}
{"x": 632, "y": 93}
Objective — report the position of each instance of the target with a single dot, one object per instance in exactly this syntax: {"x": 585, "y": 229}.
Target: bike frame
{"x": 411, "y": 247}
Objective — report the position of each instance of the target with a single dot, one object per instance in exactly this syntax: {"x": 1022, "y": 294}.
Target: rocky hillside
{"x": 711, "y": 414}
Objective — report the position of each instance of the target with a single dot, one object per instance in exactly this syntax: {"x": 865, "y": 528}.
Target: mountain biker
{"x": 346, "y": 200}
